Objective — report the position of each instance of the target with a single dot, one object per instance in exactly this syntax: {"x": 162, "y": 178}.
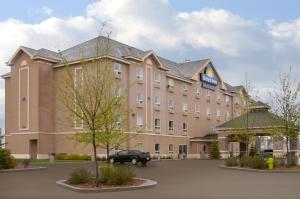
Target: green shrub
{"x": 214, "y": 151}
{"x": 115, "y": 175}
{"x": 292, "y": 159}
{"x": 245, "y": 161}
{"x": 79, "y": 176}
{"x": 64, "y": 156}
{"x": 6, "y": 160}
{"x": 253, "y": 151}
{"x": 231, "y": 162}
{"x": 60, "y": 156}
{"x": 279, "y": 162}
{"x": 258, "y": 162}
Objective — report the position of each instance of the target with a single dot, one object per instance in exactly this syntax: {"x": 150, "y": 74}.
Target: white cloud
{"x": 47, "y": 11}
{"x": 236, "y": 45}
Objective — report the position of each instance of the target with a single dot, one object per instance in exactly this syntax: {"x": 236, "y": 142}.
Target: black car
{"x": 133, "y": 156}
{"x": 266, "y": 153}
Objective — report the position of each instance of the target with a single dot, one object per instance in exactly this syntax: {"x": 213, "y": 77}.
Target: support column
{"x": 223, "y": 147}
{"x": 278, "y": 150}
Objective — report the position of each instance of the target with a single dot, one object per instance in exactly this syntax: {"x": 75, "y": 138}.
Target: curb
{"x": 256, "y": 170}
{"x": 22, "y": 170}
{"x": 147, "y": 184}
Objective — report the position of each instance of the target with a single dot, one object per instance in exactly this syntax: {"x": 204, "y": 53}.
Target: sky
{"x": 257, "y": 38}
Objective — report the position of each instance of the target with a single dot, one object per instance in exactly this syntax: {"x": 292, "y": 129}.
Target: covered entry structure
{"x": 257, "y": 128}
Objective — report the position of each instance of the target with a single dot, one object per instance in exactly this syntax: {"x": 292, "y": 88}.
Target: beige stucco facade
{"x": 34, "y": 117}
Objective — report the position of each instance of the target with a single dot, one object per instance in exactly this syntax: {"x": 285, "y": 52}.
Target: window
{"x": 157, "y": 100}
{"x": 118, "y": 92}
{"x": 184, "y": 128}
{"x": 218, "y": 113}
{"x": 197, "y": 92}
{"x": 184, "y": 107}
{"x": 227, "y": 99}
{"x": 118, "y": 120}
{"x": 140, "y": 121}
{"x": 208, "y": 93}
{"x": 156, "y": 78}
{"x": 237, "y": 101}
{"x": 170, "y": 83}
{"x": 184, "y": 87}
{"x": 208, "y": 112}
{"x": 118, "y": 68}
{"x": 227, "y": 115}
{"x": 197, "y": 108}
{"x": 171, "y": 149}
{"x": 140, "y": 146}
{"x": 157, "y": 124}
{"x": 157, "y": 148}
{"x": 171, "y": 104}
{"x": 140, "y": 97}
{"x": 171, "y": 125}
{"x": 140, "y": 73}
{"x": 218, "y": 97}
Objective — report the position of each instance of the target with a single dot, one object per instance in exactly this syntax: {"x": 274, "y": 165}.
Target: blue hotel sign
{"x": 208, "y": 79}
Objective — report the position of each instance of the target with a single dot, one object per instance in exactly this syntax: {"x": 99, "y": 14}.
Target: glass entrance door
{"x": 183, "y": 150}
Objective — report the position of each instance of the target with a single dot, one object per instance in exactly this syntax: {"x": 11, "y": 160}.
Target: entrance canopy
{"x": 257, "y": 118}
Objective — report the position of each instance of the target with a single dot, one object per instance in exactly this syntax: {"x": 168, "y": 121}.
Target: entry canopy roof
{"x": 259, "y": 117}
{"x": 208, "y": 137}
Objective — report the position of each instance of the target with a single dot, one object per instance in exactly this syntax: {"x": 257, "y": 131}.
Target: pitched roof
{"x": 119, "y": 50}
{"x": 257, "y": 118}
{"x": 207, "y": 137}
{"x": 190, "y": 68}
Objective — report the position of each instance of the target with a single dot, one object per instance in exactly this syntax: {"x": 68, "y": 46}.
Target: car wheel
{"x": 112, "y": 161}
{"x": 134, "y": 161}
{"x": 144, "y": 163}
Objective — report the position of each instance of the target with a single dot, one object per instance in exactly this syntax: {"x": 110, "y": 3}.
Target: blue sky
{"x": 255, "y": 9}
{"x": 257, "y": 37}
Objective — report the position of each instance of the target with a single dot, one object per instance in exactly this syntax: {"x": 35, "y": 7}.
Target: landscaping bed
{"x": 135, "y": 183}
{"x": 294, "y": 169}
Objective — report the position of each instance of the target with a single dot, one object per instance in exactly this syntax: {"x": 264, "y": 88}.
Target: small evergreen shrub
{"x": 6, "y": 160}
{"x": 115, "y": 175}
{"x": 231, "y": 162}
{"x": 60, "y": 156}
{"x": 214, "y": 151}
{"x": 79, "y": 176}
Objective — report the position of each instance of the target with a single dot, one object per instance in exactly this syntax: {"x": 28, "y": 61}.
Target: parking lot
{"x": 180, "y": 179}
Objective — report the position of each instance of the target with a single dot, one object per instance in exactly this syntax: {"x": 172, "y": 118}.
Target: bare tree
{"x": 90, "y": 95}
{"x": 286, "y": 106}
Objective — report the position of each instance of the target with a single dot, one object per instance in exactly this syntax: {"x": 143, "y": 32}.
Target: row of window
{"x": 140, "y": 146}
{"x": 140, "y": 77}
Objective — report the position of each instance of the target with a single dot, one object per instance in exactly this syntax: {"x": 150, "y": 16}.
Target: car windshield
{"x": 123, "y": 153}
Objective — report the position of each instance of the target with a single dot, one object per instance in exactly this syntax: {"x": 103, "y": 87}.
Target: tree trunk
{"x": 96, "y": 162}
{"x": 107, "y": 152}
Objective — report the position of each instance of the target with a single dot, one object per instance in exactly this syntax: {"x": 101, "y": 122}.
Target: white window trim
{"x": 184, "y": 107}
{"x": 172, "y": 106}
{"x": 140, "y": 121}
{"x": 157, "y": 151}
{"x": 118, "y": 69}
{"x": 157, "y": 80}
{"x": 140, "y": 74}
{"x": 157, "y": 127}
{"x": 140, "y": 101}
{"x": 171, "y": 129}
{"x": 184, "y": 131}
{"x": 197, "y": 108}
{"x": 157, "y": 103}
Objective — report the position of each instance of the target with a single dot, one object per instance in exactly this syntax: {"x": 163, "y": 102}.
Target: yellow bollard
{"x": 270, "y": 162}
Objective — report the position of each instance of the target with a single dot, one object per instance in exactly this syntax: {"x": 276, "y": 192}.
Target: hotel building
{"x": 178, "y": 105}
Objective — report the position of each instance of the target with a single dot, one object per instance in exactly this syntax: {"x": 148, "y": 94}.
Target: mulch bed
{"x": 133, "y": 182}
